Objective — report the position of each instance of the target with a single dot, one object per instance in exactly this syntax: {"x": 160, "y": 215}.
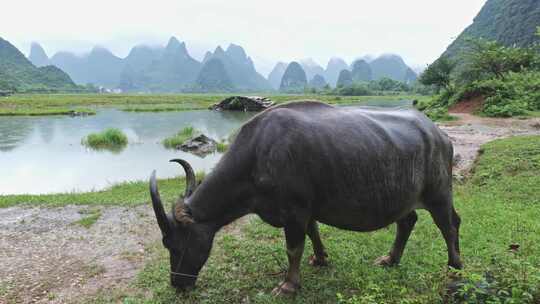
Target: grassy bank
{"x": 37, "y": 111}
{"x": 499, "y": 206}
{"x": 125, "y": 194}
{"x": 40, "y": 103}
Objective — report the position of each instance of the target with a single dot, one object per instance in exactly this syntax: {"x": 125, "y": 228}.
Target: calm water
{"x": 41, "y": 155}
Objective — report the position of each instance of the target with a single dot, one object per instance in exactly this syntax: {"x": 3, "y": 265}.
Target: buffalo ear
{"x": 182, "y": 214}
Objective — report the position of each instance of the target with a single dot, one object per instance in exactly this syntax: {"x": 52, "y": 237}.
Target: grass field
{"x": 499, "y": 205}
{"x": 43, "y": 111}
{"x": 30, "y": 104}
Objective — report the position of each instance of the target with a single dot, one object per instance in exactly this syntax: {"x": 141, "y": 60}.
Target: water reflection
{"x": 44, "y": 154}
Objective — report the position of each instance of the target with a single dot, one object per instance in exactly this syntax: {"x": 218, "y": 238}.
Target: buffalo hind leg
{"x": 446, "y": 218}
{"x": 295, "y": 237}
{"x": 319, "y": 254}
{"x": 404, "y": 229}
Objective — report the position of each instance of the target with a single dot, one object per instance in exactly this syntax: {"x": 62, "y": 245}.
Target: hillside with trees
{"x": 294, "y": 79}
{"x": 509, "y": 22}
{"x": 213, "y": 78}
{"x": 18, "y": 74}
{"x": 495, "y": 80}
{"x": 493, "y": 67}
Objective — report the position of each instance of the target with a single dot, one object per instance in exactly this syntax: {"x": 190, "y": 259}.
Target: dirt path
{"x": 46, "y": 257}
{"x": 470, "y": 132}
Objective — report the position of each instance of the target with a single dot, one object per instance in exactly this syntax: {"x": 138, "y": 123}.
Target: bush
{"x": 514, "y": 95}
{"x": 507, "y": 77}
{"x": 498, "y": 106}
{"x": 111, "y": 139}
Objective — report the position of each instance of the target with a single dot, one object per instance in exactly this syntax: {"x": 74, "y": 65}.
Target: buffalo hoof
{"x": 286, "y": 289}
{"x": 385, "y": 261}
{"x": 316, "y": 261}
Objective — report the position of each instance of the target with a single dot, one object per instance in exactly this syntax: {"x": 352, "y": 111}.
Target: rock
{"x": 5, "y": 93}
{"x": 457, "y": 159}
{"x": 200, "y": 145}
{"x": 74, "y": 113}
{"x": 243, "y": 103}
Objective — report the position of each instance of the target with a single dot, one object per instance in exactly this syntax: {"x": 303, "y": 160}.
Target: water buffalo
{"x": 297, "y": 164}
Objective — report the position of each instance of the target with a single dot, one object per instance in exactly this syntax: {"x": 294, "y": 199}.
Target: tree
{"x": 489, "y": 59}
{"x": 438, "y": 74}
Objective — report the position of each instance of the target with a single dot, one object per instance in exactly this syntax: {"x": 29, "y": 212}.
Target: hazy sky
{"x": 285, "y": 30}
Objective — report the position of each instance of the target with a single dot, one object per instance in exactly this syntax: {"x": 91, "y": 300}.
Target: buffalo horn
{"x": 191, "y": 183}
{"x": 161, "y": 217}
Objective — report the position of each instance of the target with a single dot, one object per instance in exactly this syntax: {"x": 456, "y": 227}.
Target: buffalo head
{"x": 189, "y": 243}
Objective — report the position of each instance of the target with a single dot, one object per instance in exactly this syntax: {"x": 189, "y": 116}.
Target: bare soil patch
{"x": 47, "y": 258}
{"x": 470, "y": 105}
{"x": 470, "y": 132}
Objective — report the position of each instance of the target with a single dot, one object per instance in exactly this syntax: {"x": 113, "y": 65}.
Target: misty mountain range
{"x": 172, "y": 69}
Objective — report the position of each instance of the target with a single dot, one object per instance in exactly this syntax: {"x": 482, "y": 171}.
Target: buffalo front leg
{"x": 446, "y": 218}
{"x": 404, "y": 229}
{"x": 319, "y": 254}
{"x": 295, "y": 237}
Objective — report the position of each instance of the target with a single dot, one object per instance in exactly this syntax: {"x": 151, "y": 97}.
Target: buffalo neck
{"x": 224, "y": 195}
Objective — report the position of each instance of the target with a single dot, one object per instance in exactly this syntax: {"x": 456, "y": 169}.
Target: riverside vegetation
{"x": 41, "y": 104}
{"x": 109, "y": 139}
{"x": 180, "y": 137}
{"x": 503, "y": 81}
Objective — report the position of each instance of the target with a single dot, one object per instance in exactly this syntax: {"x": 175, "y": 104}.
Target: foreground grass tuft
{"x": 110, "y": 139}
{"x": 179, "y": 138}
{"x": 90, "y": 218}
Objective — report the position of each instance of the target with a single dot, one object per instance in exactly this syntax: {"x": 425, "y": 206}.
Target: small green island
{"x": 110, "y": 139}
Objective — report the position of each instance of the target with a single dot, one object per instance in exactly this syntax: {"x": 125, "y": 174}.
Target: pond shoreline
{"x": 60, "y": 104}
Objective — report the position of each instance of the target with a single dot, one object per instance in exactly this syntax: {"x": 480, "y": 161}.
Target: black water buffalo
{"x": 297, "y": 164}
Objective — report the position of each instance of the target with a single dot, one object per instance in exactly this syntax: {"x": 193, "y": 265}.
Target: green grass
{"x": 161, "y": 108}
{"x": 27, "y": 111}
{"x": 222, "y": 147}
{"x": 37, "y": 104}
{"x": 179, "y": 138}
{"x": 109, "y": 139}
{"x": 92, "y": 216}
{"x": 499, "y": 206}
{"x": 125, "y": 194}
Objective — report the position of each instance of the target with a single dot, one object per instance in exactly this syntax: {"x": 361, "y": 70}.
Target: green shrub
{"x": 508, "y": 78}
{"x": 222, "y": 147}
{"x": 180, "y": 137}
{"x": 110, "y": 139}
{"x": 514, "y": 95}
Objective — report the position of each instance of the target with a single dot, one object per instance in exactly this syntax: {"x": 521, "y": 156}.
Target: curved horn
{"x": 191, "y": 183}
{"x": 161, "y": 217}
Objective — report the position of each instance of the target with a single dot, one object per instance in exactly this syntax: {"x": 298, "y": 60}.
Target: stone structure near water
{"x": 200, "y": 145}
{"x": 243, "y": 103}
